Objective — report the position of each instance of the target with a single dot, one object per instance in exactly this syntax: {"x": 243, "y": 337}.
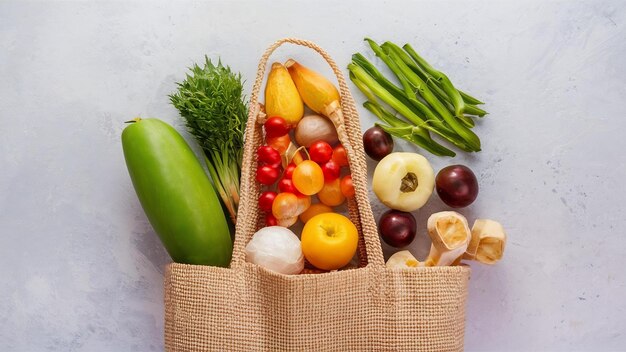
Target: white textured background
{"x": 81, "y": 268}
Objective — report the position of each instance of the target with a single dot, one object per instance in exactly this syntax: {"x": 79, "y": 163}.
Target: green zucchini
{"x": 176, "y": 194}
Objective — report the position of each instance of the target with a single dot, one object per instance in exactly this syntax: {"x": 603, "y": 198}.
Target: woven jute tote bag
{"x": 368, "y": 308}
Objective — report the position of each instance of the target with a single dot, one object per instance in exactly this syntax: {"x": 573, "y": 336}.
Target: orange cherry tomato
{"x": 285, "y": 147}
{"x": 331, "y": 193}
{"x": 314, "y": 209}
{"x": 280, "y": 143}
{"x": 308, "y": 177}
{"x": 347, "y": 188}
{"x": 329, "y": 241}
{"x": 340, "y": 156}
{"x": 285, "y": 206}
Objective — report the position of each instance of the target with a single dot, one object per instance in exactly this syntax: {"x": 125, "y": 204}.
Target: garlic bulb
{"x": 313, "y": 128}
{"x": 276, "y": 248}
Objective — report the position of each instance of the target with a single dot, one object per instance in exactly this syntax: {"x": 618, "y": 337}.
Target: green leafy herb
{"x": 211, "y": 101}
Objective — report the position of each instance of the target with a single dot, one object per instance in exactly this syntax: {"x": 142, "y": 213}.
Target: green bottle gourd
{"x": 176, "y": 194}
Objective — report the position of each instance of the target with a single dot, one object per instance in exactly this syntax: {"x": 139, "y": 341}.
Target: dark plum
{"x": 377, "y": 143}
{"x": 397, "y": 228}
{"x": 457, "y": 186}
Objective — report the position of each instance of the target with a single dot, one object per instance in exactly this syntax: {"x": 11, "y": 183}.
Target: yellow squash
{"x": 318, "y": 93}
{"x": 281, "y": 96}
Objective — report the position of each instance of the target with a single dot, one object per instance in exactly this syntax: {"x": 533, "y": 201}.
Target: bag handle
{"x": 348, "y": 127}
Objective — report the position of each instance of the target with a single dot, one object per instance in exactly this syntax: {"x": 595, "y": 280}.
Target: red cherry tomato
{"x": 276, "y": 126}
{"x": 286, "y": 185}
{"x": 268, "y": 156}
{"x": 347, "y": 188}
{"x": 320, "y": 152}
{"x": 331, "y": 170}
{"x": 340, "y": 156}
{"x": 267, "y": 175}
{"x": 266, "y": 199}
{"x": 289, "y": 170}
{"x": 270, "y": 220}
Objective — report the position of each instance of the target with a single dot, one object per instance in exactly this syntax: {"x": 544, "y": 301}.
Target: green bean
{"x": 447, "y": 86}
{"x": 464, "y": 132}
{"x": 362, "y": 77}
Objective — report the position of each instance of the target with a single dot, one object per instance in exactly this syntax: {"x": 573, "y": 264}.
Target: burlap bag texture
{"x": 369, "y": 308}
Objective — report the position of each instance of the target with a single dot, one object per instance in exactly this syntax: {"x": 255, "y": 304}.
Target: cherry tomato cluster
{"x": 319, "y": 175}
{"x": 269, "y": 167}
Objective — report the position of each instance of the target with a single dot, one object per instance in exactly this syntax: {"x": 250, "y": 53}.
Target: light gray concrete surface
{"x": 81, "y": 269}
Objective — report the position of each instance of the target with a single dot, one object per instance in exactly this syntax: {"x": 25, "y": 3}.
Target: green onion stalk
{"x": 395, "y": 126}
{"x": 213, "y": 105}
{"x": 430, "y": 123}
{"x": 421, "y": 87}
{"x": 426, "y": 98}
{"x": 438, "y": 82}
{"x": 411, "y": 94}
{"x": 435, "y": 73}
{"x": 412, "y": 102}
{"x": 435, "y": 76}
